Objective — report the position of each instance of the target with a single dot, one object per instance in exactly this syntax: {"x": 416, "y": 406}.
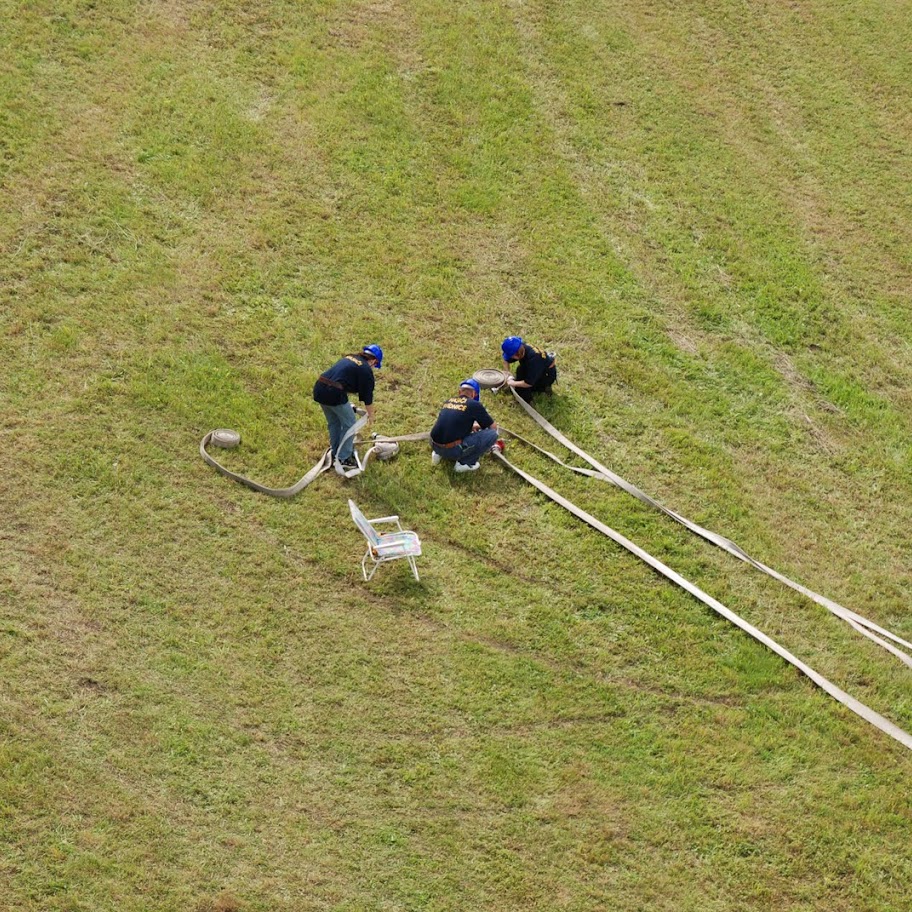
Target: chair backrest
{"x": 370, "y": 533}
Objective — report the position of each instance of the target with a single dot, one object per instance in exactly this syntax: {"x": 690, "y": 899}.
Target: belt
{"x": 445, "y": 446}
{"x": 332, "y": 383}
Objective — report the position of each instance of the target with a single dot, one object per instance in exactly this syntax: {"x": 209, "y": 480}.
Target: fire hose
{"x": 383, "y": 448}
{"x": 387, "y": 447}
{"x": 859, "y": 623}
{"x": 862, "y": 624}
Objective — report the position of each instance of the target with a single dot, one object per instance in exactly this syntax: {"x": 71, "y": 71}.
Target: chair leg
{"x": 376, "y": 563}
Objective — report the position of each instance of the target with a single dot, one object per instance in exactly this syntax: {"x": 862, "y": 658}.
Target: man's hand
{"x": 370, "y": 413}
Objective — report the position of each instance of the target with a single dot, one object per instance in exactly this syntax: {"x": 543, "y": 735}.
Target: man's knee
{"x": 481, "y": 441}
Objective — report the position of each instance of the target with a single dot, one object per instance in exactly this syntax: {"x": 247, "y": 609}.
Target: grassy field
{"x": 701, "y": 205}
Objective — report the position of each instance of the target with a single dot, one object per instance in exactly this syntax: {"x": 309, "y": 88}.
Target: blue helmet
{"x": 473, "y": 385}
{"x": 376, "y": 352}
{"x": 510, "y": 346}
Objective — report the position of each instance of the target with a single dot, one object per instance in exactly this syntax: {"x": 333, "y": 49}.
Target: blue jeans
{"x": 339, "y": 418}
{"x": 471, "y": 449}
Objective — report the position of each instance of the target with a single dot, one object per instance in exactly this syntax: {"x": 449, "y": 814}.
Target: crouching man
{"x": 464, "y": 430}
{"x": 535, "y": 369}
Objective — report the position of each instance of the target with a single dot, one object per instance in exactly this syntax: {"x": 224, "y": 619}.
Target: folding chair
{"x": 385, "y": 546}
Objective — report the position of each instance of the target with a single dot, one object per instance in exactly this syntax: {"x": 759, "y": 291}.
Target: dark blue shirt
{"x": 533, "y": 366}
{"x": 457, "y": 415}
{"x": 351, "y": 374}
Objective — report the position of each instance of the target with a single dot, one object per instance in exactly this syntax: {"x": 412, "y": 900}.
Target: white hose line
{"x": 324, "y": 464}
{"x": 866, "y": 713}
{"x": 862, "y": 624}
{"x": 856, "y": 621}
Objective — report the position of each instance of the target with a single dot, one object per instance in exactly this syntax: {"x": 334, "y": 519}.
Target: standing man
{"x": 464, "y": 430}
{"x": 351, "y": 374}
{"x": 535, "y": 371}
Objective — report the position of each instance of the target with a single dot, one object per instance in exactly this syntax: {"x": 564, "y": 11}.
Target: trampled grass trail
{"x": 700, "y": 206}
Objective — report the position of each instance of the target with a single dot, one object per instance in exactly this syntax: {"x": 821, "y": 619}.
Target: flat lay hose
{"x": 866, "y": 713}
{"x": 495, "y": 379}
{"x": 228, "y": 439}
{"x": 862, "y": 624}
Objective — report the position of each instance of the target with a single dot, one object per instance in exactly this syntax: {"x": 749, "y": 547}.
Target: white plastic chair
{"x": 385, "y": 546}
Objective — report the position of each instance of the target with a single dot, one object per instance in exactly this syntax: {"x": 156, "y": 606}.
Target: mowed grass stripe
{"x": 541, "y": 723}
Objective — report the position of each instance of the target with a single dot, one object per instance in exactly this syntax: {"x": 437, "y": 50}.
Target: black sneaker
{"x": 348, "y": 463}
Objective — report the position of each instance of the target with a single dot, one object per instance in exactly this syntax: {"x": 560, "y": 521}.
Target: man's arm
{"x": 480, "y": 416}
{"x": 535, "y": 366}
{"x": 366, "y": 390}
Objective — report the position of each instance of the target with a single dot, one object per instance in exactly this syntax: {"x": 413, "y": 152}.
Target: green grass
{"x": 700, "y": 206}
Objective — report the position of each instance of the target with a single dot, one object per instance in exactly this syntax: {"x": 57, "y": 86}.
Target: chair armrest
{"x": 394, "y": 519}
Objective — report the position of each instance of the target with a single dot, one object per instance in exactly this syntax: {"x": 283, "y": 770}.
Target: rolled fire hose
{"x": 495, "y": 379}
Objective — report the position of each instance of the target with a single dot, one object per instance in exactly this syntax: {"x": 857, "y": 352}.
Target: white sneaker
{"x": 462, "y": 467}
{"x": 435, "y": 458}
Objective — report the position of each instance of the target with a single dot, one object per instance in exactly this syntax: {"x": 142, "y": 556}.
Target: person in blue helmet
{"x": 464, "y": 430}
{"x": 350, "y": 374}
{"x": 535, "y": 370}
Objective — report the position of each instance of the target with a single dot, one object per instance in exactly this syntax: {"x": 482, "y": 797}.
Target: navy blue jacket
{"x": 457, "y": 415}
{"x": 351, "y": 374}
{"x": 535, "y": 367}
